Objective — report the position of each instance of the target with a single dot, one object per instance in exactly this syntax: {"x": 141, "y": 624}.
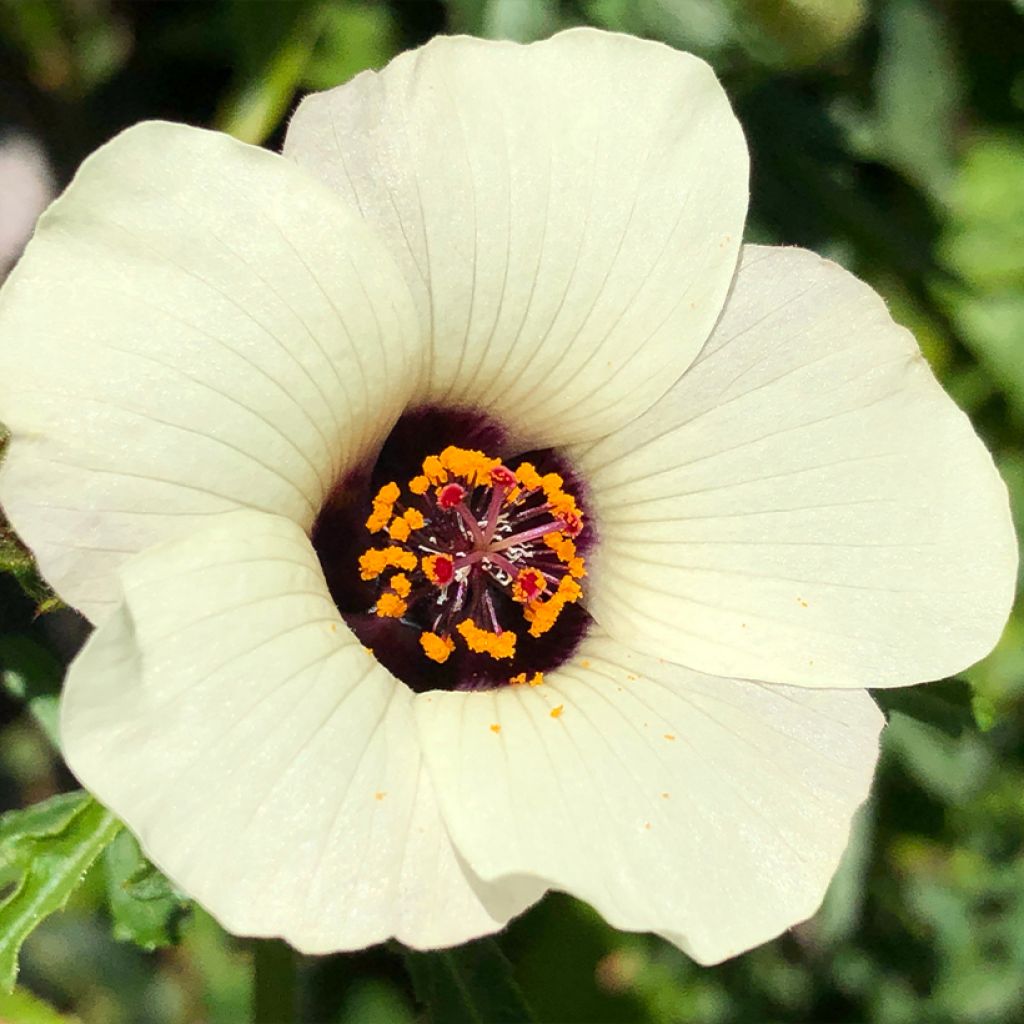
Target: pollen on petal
{"x": 522, "y": 679}
{"x": 556, "y": 712}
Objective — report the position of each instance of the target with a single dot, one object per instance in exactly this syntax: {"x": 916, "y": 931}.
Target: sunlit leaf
{"x": 22, "y": 1007}
{"x": 45, "y": 851}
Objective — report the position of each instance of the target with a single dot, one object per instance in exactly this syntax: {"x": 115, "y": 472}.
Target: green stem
{"x": 275, "y": 983}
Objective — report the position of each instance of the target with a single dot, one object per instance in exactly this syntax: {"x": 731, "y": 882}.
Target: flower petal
{"x": 197, "y": 326}
{"x": 568, "y": 215}
{"x": 806, "y": 505}
{"x": 713, "y": 811}
{"x": 266, "y": 761}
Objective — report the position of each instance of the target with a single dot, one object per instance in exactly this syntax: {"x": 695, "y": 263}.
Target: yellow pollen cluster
{"x": 435, "y": 647}
{"x": 522, "y": 679}
{"x": 473, "y": 466}
{"x": 562, "y": 504}
{"x": 374, "y": 561}
{"x": 382, "y": 506}
{"x": 483, "y": 641}
{"x": 445, "y": 488}
{"x": 565, "y": 549}
{"x": 401, "y": 526}
{"x": 390, "y": 606}
{"x": 542, "y": 615}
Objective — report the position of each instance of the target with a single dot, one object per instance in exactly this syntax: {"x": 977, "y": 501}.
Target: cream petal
{"x": 568, "y": 215}
{"x": 197, "y": 326}
{"x": 266, "y": 761}
{"x": 713, "y": 811}
{"x": 805, "y": 505}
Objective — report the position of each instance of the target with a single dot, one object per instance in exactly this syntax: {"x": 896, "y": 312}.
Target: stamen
{"x": 476, "y": 541}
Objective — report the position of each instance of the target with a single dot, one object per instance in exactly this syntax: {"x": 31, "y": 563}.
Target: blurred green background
{"x": 886, "y": 134}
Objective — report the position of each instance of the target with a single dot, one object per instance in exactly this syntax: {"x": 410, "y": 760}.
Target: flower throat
{"x": 469, "y": 570}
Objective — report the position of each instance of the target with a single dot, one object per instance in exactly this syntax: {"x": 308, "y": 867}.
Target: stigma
{"x": 474, "y": 554}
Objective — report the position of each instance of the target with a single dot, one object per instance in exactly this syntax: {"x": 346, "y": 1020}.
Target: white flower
{"x": 204, "y": 340}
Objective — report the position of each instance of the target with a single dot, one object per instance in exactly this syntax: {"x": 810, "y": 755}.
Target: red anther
{"x": 450, "y": 495}
{"x": 503, "y": 476}
{"x": 572, "y": 524}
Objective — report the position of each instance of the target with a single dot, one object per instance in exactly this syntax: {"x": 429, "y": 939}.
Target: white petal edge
{"x": 712, "y": 811}
{"x": 265, "y": 760}
{"x": 806, "y": 505}
{"x": 197, "y": 326}
{"x": 568, "y": 215}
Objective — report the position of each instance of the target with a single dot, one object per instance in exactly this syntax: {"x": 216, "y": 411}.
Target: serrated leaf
{"x": 45, "y": 851}
{"x": 32, "y": 675}
{"x": 145, "y": 907}
{"x": 469, "y": 985}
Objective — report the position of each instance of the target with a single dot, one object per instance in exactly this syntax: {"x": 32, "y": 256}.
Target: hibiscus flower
{"x": 464, "y": 513}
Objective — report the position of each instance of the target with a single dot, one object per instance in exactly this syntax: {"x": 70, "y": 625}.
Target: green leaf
{"x": 469, "y": 985}
{"x": 45, "y": 851}
{"x": 32, "y": 675}
{"x": 22, "y": 1007}
{"x": 353, "y": 38}
{"x": 945, "y": 705}
{"x": 917, "y": 92}
{"x": 264, "y": 89}
{"x": 145, "y": 906}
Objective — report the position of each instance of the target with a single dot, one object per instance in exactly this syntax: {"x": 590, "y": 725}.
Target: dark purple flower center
{"x": 459, "y": 569}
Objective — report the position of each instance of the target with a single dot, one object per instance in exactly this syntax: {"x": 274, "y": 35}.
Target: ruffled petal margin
{"x": 712, "y": 811}
{"x": 266, "y": 761}
{"x": 568, "y": 215}
{"x": 806, "y": 505}
{"x": 197, "y": 326}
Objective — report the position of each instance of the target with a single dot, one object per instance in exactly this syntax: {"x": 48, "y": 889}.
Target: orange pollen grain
{"x": 390, "y": 606}
{"x": 483, "y": 641}
{"x": 437, "y": 648}
{"x": 401, "y": 584}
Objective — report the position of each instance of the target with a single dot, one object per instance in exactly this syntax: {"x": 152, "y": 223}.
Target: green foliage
{"x": 885, "y": 134}
{"x": 30, "y": 673}
{"x": 21, "y": 1007}
{"x": 145, "y": 906}
{"x": 45, "y": 852}
{"x": 473, "y": 984}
